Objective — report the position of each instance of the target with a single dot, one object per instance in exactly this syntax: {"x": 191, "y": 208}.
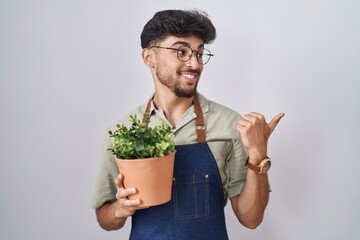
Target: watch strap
{"x": 255, "y": 168}
{"x": 252, "y": 166}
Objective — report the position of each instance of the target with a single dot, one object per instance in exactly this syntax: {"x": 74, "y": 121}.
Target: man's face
{"x": 180, "y": 77}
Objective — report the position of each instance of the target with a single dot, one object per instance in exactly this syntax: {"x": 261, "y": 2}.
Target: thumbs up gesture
{"x": 255, "y": 132}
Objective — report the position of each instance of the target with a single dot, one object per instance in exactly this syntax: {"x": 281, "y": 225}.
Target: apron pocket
{"x": 191, "y": 196}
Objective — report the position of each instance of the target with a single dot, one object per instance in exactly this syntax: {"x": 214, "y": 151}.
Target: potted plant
{"x": 145, "y": 156}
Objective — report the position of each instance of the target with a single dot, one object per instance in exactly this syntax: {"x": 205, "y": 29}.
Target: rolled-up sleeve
{"x": 237, "y": 169}
{"x": 105, "y": 188}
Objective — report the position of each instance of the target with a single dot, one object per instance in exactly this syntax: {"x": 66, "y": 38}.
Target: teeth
{"x": 188, "y": 75}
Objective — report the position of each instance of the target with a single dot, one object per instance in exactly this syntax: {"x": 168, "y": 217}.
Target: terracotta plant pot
{"x": 152, "y": 177}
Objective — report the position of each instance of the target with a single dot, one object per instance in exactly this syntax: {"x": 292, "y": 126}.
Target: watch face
{"x": 265, "y": 168}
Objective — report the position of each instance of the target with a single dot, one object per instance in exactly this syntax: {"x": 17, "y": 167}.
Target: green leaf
{"x": 141, "y": 141}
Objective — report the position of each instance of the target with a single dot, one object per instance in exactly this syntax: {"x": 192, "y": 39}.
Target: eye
{"x": 184, "y": 51}
{"x": 181, "y": 52}
{"x": 200, "y": 55}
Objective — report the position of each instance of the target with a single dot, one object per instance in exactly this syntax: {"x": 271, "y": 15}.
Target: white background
{"x": 69, "y": 69}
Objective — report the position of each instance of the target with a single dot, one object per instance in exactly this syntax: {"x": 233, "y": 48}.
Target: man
{"x": 215, "y": 156}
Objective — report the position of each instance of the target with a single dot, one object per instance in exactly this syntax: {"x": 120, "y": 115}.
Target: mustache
{"x": 196, "y": 71}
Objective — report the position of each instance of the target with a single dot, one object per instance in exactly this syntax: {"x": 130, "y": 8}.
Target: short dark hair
{"x": 177, "y": 23}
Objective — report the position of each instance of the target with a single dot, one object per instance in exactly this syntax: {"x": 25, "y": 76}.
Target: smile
{"x": 188, "y": 75}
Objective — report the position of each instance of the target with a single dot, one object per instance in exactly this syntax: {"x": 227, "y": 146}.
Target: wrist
{"x": 256, "y": 157}
{"x": 261, "y": 168}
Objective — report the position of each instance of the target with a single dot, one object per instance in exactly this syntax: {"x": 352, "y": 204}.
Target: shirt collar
{"x": 204, "y": 103}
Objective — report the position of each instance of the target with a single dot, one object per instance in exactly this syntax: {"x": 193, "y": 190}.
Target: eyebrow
{"x": 186, "y": 44}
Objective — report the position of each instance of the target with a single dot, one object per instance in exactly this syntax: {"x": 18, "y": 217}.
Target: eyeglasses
{"x": 184, "y": 53}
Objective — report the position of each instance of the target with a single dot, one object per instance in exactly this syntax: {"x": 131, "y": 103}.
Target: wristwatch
{"x": 262, "y": 168}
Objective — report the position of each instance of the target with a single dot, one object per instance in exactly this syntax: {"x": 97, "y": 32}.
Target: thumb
{"x": 119, "y": 181}
{"x": 275, "y": 121}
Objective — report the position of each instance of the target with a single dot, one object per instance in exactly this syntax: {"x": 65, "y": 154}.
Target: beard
{"x": 175, "y": 85}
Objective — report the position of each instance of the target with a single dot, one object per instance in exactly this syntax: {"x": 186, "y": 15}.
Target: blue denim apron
{"x": 196, "y": 209}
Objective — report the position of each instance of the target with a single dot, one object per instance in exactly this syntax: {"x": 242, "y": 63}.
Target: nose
{"x": 193, "y": 61}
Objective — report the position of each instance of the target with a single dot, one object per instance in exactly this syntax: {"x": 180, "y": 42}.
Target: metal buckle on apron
{"x": 200, "y": 127}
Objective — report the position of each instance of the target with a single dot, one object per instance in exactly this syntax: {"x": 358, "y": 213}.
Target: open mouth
{"x": 189, "y": 77}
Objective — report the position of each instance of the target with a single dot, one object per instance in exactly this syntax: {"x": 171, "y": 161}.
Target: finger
{"x": 119, "y": 182}
{"x": 248, "y": 118}
{"x": 254, "y": 117}
{"x": 257, "y": 115}
{"x": 132, "y": 202}
{"x": 243, "y": 122}
{"x": 243, "y": 125}
{"x": 275, "y": 121}
{"x": 133, "y": 205}
{"x": 126, "y": 207}
{"x": 125, "y": 192}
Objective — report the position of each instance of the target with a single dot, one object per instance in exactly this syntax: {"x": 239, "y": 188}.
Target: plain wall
{"x": 69, "y": 69}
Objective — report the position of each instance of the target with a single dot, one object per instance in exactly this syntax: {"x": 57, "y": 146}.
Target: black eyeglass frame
{"x": 190, "y": 55}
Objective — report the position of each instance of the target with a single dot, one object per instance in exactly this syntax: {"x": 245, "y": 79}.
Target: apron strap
{"x": 199, "y": 122}
{"x": 146, "y": 117}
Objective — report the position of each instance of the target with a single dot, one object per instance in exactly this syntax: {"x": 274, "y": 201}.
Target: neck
{"x": 174, "y": 107}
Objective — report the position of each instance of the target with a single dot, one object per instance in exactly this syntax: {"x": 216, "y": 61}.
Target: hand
{"x": 255, "y": 133}
{"x": 125, "y": 207}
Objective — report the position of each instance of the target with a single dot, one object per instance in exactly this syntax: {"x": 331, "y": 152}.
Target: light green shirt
{"x": 221, "y": 135}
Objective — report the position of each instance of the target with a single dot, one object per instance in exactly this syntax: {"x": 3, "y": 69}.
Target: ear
{"x": 148, "y": 57}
